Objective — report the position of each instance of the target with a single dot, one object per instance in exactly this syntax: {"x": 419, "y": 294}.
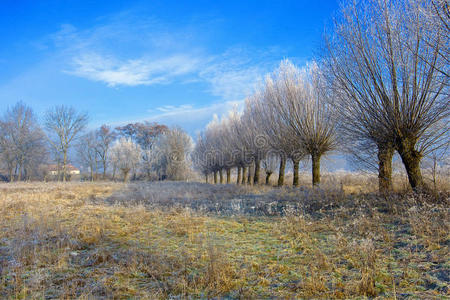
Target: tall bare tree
{"x": 199, "y": 156}
{"x": 104, "y": 137}
{"x": 385, "y": 61}
{"x": 256, "y": 136}
{"x": 87, "y": 152}
{"x": 22, "y": 145}
{"x": 277, "y": 132}
{"x": 242, "y": 144}
{"x": 64, "y": 124}
{"x": 298, "y": 99}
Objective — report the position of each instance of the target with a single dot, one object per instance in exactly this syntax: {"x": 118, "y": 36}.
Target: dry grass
{"x": 105, "y": 240}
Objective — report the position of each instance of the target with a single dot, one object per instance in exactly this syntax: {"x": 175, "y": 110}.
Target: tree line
{"x": 144, "y": 149}
{"x": 378, "y": 85}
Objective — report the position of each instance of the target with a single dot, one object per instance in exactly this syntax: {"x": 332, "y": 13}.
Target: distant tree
{"x": 173, "y": 150}
{"x": 125, "y": 156}
{"x": 219, "y": 149}
{"x": 87, "y": 152}
{"x": 64, "y": 125}
{"x": 104, "y": 139}
{"x": 145, "y": 135}
{"x": 127, "y": 131}
{"x": 22, "y": 145}
{"x": 199, "y": 156}
{"x": 258, "y": 139}
{"x": 7, "y": 149}
{"x": 241, "y": 147}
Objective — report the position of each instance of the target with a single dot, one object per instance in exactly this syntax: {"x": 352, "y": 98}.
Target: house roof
{"x": 69, "y": 167}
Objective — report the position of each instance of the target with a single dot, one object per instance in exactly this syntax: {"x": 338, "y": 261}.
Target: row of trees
{"x": 149, "y": 150}
{"x": 288, "y": 119}
{"x": 379, "y": 86}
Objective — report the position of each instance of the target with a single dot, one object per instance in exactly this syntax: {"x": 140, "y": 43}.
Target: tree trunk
{"x": 19, "y": 174}
{"x": 96, "y": 170}
{"x": 249, "y": 175}
{"x": 148, "y": 173}
{"x": 11, "y": 177}
{"x": 385, "y": 154}
{"x": 114, "y": 173}
{"x": 64, "y": 166}
{"x": 238, "y": 181}
{"x": 268, "y": 177}
{"x": 215, "y": 177}
{"x": 125, "y": 175}
{"x": 244, "y": 174}
{"x": 296, "y": 167}
{"x": 315, "y": 169}
{"x": 257, "y": 170}
{"x": 433, "y": 174}
{"x": 104, "y": 169}
{"x": 206, "y": 178}
{"x": 281, "y": 171}
{"x": 221, "y": 176}
{"x": 411, "y": 159}
{"x": 228, "y": 176}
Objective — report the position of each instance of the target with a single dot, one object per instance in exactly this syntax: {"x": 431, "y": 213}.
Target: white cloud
{"x": 133, "y": 72}
{"x": 127, "y": 51}
{"x": 174, "y": 109}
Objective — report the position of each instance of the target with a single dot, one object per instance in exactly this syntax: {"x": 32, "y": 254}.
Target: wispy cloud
{"x": 133, "y": 72}
{"x": 195, "y": 112}
{"x": 235, "y": 73}
{"x": 173, "y": 109}
{"x": 127, "y": 51}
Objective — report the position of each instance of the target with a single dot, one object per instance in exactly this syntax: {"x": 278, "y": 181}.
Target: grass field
{"x": 191, "y": 240}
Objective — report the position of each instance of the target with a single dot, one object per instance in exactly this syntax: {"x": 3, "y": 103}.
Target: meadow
{"x": 178, "y": 240}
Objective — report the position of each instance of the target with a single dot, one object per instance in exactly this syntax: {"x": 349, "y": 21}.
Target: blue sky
{"x": 175, "y": 62}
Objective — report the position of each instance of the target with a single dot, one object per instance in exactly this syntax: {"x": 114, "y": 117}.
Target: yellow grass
{"x": 64, "y": 241}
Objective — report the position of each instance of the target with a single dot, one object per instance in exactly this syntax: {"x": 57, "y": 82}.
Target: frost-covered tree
{"x": 385, "y": 62}
{"x": 125, "y": 156}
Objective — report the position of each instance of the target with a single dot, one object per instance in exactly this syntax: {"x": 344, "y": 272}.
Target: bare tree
{"x": 173, "y": 150}
{"x": 297, "y": 98}
{"x": 64, "y": 125}
{"x": 7, "y": 149}
{"x": 104, "y": 137}
{"x": 384, "y": 65}
{"x": 277, "y": 131}
{"x": 87, "y": 153}
{"x": 437, "y": 15}
{"x": 270, "y": 164}
{"x": 125, "y": 156}
{"x": 22, "y": 144}
{"x": 199, "y": 156}
{"x": 256, "y": 137}
{"x": 436, "y": 163}
{"x": 145, "y": 134}
{"x": 242, "y": 145}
